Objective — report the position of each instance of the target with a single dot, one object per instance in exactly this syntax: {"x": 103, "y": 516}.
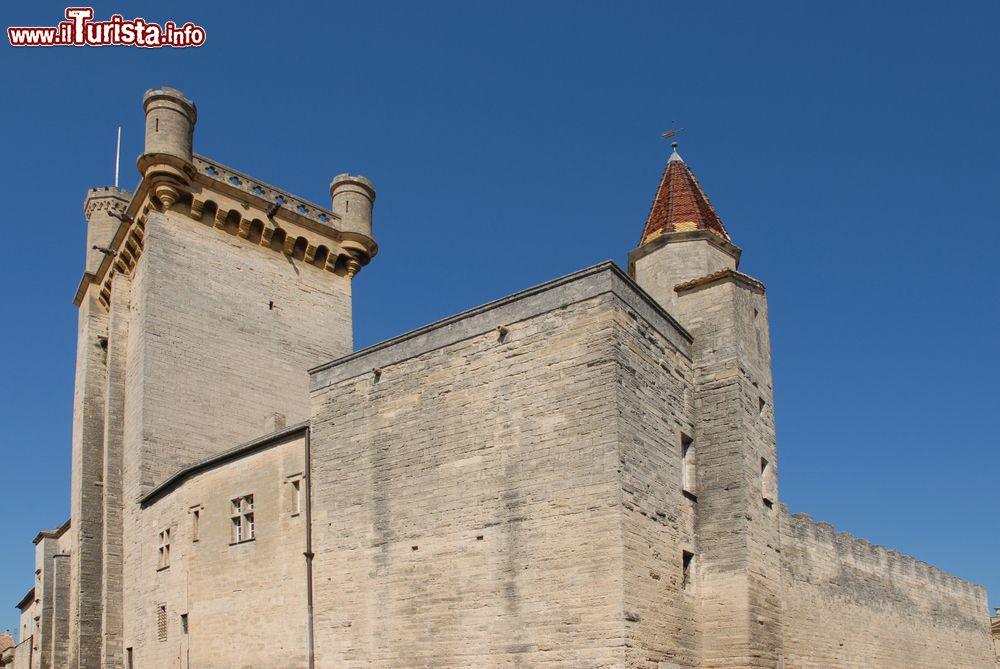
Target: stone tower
{"x": 687, "y": 262}
{"x": 210, "y": 295}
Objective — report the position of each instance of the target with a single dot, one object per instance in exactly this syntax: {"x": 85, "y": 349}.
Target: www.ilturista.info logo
{"x": 81, "y": 30}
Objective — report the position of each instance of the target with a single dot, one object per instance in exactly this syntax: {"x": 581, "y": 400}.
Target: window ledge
{"x": 164, "y": 568}
{"x": 244, "y": 541}
{"x": 690, "y": 495}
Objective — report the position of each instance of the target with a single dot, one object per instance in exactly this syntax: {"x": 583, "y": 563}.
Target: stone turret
{"x": 101, "y": 225}
{"x": 683, "y": 239}
{"x": 687, "y": 262}
{"x": 353, "y": 199}
{"x": 166, "y": 161}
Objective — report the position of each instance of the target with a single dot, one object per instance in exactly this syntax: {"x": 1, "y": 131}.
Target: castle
{"x": 582, "y": 474}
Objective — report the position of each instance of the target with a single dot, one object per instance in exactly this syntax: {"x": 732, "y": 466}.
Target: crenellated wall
{"x": 851, "y": 604}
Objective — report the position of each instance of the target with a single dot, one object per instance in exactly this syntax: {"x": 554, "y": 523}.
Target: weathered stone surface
{"x": 582, "y": 474}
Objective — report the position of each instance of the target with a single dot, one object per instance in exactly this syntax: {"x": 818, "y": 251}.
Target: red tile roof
{"x": 7, "y": 641}
{"x": 680, "y": 205}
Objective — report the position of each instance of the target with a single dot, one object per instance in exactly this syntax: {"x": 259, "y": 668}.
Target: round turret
{"x": 170, "y": 119}
{"x": 353, "y": 198}
{"x": 98, "y": 207}
{"x": 166, "y": 160}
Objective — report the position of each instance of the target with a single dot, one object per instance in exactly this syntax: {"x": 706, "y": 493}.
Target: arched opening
{"x": 322, "y": 253}
{"x": 208, "y": 213}
{"x": 232, "y": 224}
{"x": 256, "y": 231}
{"x": 299, "y": 250}
{"x": 278, "y": 239}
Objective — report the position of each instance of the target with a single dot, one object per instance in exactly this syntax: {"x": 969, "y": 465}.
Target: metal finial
{"x": 673, "y": 145}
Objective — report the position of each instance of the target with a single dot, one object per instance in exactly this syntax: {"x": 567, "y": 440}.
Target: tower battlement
{"x": 177, "y": 180}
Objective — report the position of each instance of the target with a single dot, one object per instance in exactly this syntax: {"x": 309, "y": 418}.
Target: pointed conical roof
{"x": 680, "y": 204}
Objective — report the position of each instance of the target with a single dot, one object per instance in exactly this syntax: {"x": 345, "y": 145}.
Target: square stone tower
{"x": 206, "y": 297}
{"x": 687, "y": 262}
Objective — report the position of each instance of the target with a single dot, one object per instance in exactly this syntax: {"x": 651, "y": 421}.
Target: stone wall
{"x": 854, "y": 605}
{"x": 221, "y": 332}
{"x": 487, "y": 498}
{"x": 658, "y": 519}
{"x": 245, "y": 603}
{"x": 229, "y": 329}
{"x": 467, "y": 500}
{"x": 24, "y": 655}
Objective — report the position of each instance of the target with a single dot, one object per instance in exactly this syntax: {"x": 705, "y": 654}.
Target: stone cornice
{"x": 721, "y": 275}
{"x": 53, "y": 534}
{"x": 662, "y": 240}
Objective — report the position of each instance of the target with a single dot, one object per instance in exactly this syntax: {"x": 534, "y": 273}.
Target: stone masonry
{"x": 579, "y": 475}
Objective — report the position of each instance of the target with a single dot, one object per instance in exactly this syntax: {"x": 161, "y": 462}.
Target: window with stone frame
{"x": 161, "y": 622}
{"x": 767, "y": 483}
{"x": 241, "y": 513}
{"x": 295, "y": 495}
{"x": 164, "y": 549}
{"x": 195, "y": 523}
{"x": 687, "y": 465}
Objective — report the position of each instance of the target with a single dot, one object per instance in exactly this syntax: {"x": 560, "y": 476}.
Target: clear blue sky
{"x": 851, "y": 148}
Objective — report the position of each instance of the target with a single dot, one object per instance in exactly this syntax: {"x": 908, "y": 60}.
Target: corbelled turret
{"x": 166, "y": 159}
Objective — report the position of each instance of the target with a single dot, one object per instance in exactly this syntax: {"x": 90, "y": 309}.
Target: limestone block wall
{"x": 467, "y": 497}
{"x": 24, "y": 654}
{"x": 220, "y": 334}
{"x": 245, "y": 602}
{"x": 86, "y": 502}
{"x": 737, "y": 564}
{"x": 854, "y": 605}
{"x": 58, "y": 645}
{"x": 228, "y": 331}
{"x": 658, "y": 523}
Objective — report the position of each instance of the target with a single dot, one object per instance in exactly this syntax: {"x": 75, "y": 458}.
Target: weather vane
{"x": 673, "y": 132}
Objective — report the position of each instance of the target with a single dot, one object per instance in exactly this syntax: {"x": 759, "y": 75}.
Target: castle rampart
{"x": 852, "y": 604}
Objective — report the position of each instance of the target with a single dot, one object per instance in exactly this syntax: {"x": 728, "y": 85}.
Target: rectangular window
{"x": 195, "y": 523}
{"x": 129, "y": 663}
{"x": 164, "y": 549}
{"x": 296, "y": 497}
{"x": 184, "y": 623}
{"x": 687, "y": 464}
{"x": 766, "y": 490}
{"x": 687, "y": 567}
{"x": 161, "y": 622}
{"x": 241, "y": 514}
